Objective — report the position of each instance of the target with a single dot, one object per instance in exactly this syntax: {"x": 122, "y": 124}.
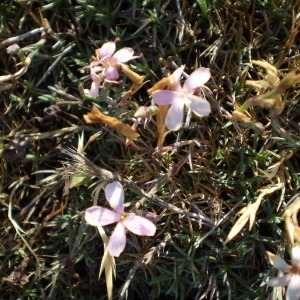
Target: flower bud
{"x": 13, "y": 49}
{"x": 146, "y": 111}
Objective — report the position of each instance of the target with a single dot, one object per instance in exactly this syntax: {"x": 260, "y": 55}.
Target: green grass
{"x": 42, "y": 115}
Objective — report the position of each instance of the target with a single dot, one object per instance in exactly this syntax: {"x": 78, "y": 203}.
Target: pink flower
{"x": 100, "y": 216}
{"x": 289, "y": 275}
{"x": 184, "y": 95}
{"x": 107, "y": 65}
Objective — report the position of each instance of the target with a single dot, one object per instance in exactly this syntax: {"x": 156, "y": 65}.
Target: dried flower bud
{"x": 146, "y": 111}
{"x": 13, "y": 49}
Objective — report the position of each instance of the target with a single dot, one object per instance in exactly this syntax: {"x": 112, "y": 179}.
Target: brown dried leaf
{"x": 165, "y": 83}
{"x": 137, "y": 80}
{"x": 96, "y": 116}
{"x": 161, "y": 124}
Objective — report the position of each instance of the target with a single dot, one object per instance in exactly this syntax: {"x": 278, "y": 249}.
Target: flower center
{"x": 295, "y": 269}
{"x": 109, "y": 62}
{"x": 123, "y": 217}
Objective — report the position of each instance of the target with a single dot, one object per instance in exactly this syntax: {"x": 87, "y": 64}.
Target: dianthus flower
{"x": 100, "y": 216}
{"x": 184, "y": 95}
{"x": 107, "y": 65}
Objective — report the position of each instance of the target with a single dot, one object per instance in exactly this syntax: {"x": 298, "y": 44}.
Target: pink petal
{"x": 279, "y": 281}
{"x": 177, "y": 74}
{"x": 293, "y": 290}
{"x": 115, "y": 195}
{"x": 111, "y": 73}
{"x": 94, "y": 90}
{"x": 139, "y": 225}
{"x": 94, "y": 69}
{"x": 117, "y": 241}
{"x": 100, "y": 216}
{"x": 174, "y": 117}
{"x": 197, "y": 78}
{"x": 123, "y": 55}
{"x": 198, "y": 105}
{"x": 164, "y": 97}
{"x": 96, "y": 78}
{"x": 107, "y": 50}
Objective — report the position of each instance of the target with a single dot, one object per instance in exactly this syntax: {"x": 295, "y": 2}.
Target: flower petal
{"x": 177, "y": 75}
{"x": 100, "y": 216}
{"x": 94, "y": 69}
{"x": 139, "y": 225}
{"x": 115, "y": 195}
{"x": 107, "y": 50}
{"x": 295, "y": 254}
{"x": 197, "y": 78}
{"x": 293, "y": 290}
{"x": 198, "y": 105}
{"x": 164, "y": 97}
{"x": 174, "y": 117}
{"x": 123, "y": 55}
{"x": 278, "y": 262}
{"x": 94, "y": 90}
{"x": 117, "y": 241}
{"x": 111, "y": 73}
{"x": 279, "y": 281}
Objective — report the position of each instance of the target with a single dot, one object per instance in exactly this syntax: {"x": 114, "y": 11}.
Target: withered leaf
{"x": 137, "y": 80}
{"x": 161, "y": 124}
{"x": 96, "y": 116}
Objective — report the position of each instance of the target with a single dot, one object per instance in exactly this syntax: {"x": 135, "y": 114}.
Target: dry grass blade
{"x": 272, "y": 171}
{"x": 291, "y": 222}
{"x": 108, "y": 265}
{"x": 248, "y": 213}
